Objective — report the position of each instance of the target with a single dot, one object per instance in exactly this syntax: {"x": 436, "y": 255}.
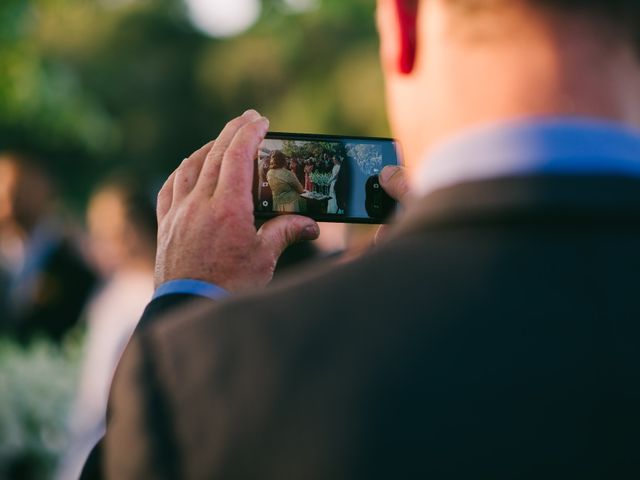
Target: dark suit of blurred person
{"x": 493, "y": 333}
{"x": 50, "y": 286}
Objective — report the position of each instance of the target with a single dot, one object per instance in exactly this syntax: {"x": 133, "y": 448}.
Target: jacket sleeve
{"x": 137, "y": 428}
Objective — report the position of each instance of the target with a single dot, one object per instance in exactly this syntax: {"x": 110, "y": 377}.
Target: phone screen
{"x": 332, "y": 179}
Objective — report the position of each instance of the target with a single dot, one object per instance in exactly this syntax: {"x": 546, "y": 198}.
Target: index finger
{"x": 210, "y": 171}
{"x": 236, "y": 171}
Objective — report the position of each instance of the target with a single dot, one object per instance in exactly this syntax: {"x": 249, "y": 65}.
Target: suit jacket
{"x": 63, "y": 285}
{"x": 494, "y": 335}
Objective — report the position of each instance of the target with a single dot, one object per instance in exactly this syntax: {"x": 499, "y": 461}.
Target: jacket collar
{"x": 562, "y": 201}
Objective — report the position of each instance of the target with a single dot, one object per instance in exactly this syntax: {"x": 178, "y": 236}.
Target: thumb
{"x": 281, "y": 232}
{"x": 394, "y": 181}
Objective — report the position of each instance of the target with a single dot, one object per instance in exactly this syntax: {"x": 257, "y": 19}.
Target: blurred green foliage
{"x": 94, "y": 86}
{"x": 317, "y": 150}
{"x": 37, "y": 385}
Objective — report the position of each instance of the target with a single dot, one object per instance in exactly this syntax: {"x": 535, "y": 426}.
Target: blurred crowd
{"x": 56, "y": 278}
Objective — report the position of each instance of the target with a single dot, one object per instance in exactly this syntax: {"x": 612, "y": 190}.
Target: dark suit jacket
{"x": 496, "y": 334}
{"x": 63, "y": 286}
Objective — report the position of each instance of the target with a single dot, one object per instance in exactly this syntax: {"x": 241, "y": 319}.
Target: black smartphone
{"x": 327, "y": 178}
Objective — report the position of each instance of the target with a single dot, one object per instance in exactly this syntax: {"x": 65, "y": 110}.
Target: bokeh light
{"x": 223, "y": 18}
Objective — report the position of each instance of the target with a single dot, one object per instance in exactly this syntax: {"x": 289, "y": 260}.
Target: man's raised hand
{"x": 205, "y": 215}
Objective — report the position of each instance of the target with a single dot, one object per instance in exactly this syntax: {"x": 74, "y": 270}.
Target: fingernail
{"x": 387, "y": 172}
{"x": 251, "y": 114}
{"x": 310, "y": 232}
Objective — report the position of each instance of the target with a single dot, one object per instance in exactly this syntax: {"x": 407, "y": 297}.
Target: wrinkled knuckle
{"x": 162, "y": 209}
{"x": 189, "y": 211}
{"x": 185, "y": 162}
{"x": 223, "y": 216}
{"x": 179, "y": 178}
{"x": 164, "y": 193}
{"x": 235, "y": 123}
{"x": 292, "y": 234}
{"x": 183, "y": 167}
{"x": 218, "y": 217}
{"x": 252, "y": 127}
{"x": 161, "y": 199}
{"x": 215, "y": 152}
{"x": 184, "y": 177}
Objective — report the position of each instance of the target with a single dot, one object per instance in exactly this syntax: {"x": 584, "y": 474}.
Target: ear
{"x": 408, "y": 18}
{"x": 397, "y": 23}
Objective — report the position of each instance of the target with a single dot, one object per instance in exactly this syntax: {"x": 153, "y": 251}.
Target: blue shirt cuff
{"x": 191, "y": 287}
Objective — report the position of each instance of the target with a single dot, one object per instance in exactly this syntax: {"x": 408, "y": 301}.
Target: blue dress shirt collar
{"x": 553, "y": 146}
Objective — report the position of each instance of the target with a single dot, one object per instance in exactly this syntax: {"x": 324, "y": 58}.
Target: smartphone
{"x": 327, "y": 178}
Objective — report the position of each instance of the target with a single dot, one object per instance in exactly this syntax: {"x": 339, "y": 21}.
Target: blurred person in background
{"x": 4, "y": 289}
{"x": 122, "y": 231}
{"x": 9, "y": 241}
{"x": 492, "y": 334}
{"x": 49, "y": 280}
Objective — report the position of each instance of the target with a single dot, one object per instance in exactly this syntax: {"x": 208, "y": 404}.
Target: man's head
{"x": 122, "y": 226}
{"x": 453, "y": 64}
{"x": 26, "y": 191}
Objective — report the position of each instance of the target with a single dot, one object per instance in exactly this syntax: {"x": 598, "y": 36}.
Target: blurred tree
{"x": 93, "y": 86}
{"x": 305, "y": 150}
